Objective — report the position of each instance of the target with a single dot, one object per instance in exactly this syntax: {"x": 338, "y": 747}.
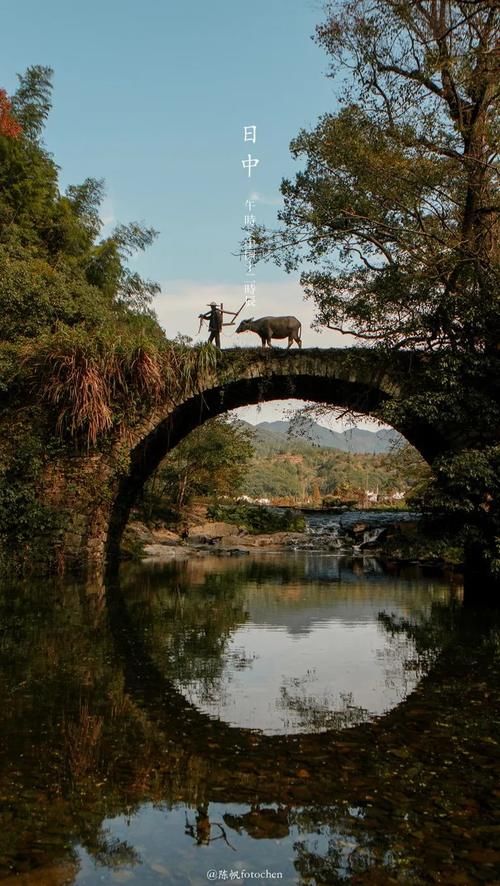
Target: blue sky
{"x": 153, "y": 97}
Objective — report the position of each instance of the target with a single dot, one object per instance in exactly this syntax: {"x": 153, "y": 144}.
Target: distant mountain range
{"x": 353, "y": 440}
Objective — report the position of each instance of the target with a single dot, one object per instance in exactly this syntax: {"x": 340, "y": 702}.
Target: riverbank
{"x": 390, "y": 536}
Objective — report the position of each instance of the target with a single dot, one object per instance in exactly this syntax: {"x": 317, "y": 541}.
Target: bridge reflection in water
{"x": 111, "y": 773}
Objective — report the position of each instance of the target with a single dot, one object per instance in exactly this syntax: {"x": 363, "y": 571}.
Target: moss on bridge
{"x": 89, "y": 477}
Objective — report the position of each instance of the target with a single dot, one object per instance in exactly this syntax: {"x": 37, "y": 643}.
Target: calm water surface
{"x": 277, "y": 714}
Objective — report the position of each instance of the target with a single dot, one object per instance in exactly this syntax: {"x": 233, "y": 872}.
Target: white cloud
{"x": 181, "y": 301}
{"x": 266, "y": 201}
{"x": 281, "y": 410}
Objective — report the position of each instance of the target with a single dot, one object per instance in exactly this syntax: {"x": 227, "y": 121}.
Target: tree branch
{"x": 439, "y": 149}
{"x": 416, "y": 76}
{"x": 363, "y": 259}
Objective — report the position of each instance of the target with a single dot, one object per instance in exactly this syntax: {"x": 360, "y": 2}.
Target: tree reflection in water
{"x": 316, "y": 715}
{"x": 93, "y": 735}
{"x": 202, "y": 638}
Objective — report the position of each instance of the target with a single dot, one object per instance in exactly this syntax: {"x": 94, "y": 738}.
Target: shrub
{"x": 258, "y": 518}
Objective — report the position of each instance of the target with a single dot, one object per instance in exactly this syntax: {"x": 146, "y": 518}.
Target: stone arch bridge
{"x": 94, "y": 492}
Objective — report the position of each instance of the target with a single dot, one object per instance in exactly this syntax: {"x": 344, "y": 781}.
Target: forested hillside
{"x": 351, "y": 440}
{"x": 227, "y": 458}
{"x": 292, "y": 468}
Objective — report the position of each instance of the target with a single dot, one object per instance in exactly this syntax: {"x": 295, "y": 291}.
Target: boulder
{"x": 164, "y": 552}
{"x": 210, "y": 532}
{"x": 358, "y": 528}
{"x": 234, "y": 541}
{"x": 165, "y": 536}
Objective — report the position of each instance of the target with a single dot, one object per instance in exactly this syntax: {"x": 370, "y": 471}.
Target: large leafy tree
{"x": 80, "y": 347}
{"x": 393, "y": 220}
{"x": 56, "y": 267}
{"x": 394, "y": 216}
{"x": 210, "y": 462}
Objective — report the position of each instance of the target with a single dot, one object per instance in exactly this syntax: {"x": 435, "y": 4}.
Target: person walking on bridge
{"x": 214, "y": 317}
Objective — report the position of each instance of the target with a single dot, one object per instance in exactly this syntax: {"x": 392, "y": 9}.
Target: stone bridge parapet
{"x": 94, "y": 492}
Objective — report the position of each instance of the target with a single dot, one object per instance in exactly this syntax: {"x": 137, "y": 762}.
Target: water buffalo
{"x": 273, "y": 327}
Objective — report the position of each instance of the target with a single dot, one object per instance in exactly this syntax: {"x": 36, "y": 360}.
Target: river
{"x": 294, "y": 716}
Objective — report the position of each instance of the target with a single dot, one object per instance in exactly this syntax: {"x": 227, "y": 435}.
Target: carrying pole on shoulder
{"x": 221, "y": 311}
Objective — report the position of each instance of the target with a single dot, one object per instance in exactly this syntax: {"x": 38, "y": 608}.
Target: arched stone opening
{"x": 145, "y": 457}
{"x": 93, "y": 492}
{"x": 251, "y": 760}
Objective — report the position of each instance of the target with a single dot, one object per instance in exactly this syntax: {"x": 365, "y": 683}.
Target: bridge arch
{"x": 303, "y": 376}
{"x": 97, "y": 491}
{"x": 267, "y": 766}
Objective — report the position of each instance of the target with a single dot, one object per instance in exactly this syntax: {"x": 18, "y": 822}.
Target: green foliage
{"x": 425, "y": 542}
{"x": 33, "y": 100}
{"x": 301, "y": 472}
{"x": 92, "y": 386}
{"x": 35, "y": 298}
{"x": 257, "y": 518}
{"x": 80, "y": 348}
{"x": 54, "y": 268}
{"x": 395, "y": 213}
{"x": 466, "y": 497}
{"x": 394, "y": 217}
{"x": 271, "y": 477}
{"x": 86, "y": 200}
{"x": 468, "y": 481}
{"x": 28, "y": 193}
{"x": 81, "y": 335}
{"x": 414, "y": 473}
{"x": 107, "y": 270}
{"x": 28, "y": 528}
{"x": 209, "y": 462}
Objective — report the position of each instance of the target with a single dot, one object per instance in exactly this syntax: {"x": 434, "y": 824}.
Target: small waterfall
{"x": 372, "y": 535}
